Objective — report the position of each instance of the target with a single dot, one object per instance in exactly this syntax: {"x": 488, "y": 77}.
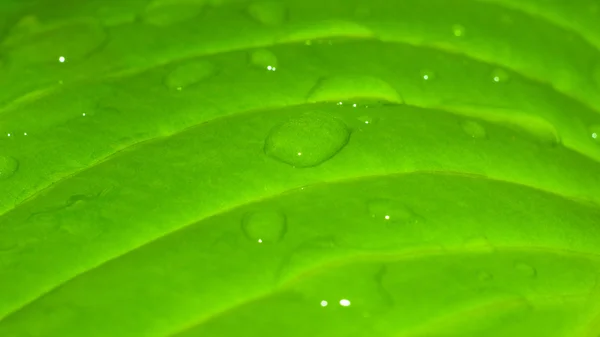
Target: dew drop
{"x": 391, "y": 211}
{"x": 8, "y": 167}
{"x": 263, "y": 59}
{"x": 70, "y": 42}
{"x": 264, "y": 226}
{"x": 268, "y": 13}
{"x": 427, "y": 75}
{"x": 317, "y": 136}
{"x": 500, "y": 76}
{"x": 189, "y": 73}
{"x": 525, "y": 269}
{"x": 367, "y": 120}
{"x": 474, "y": 129}
{"x": 168, "y": 12}
{"x": 458, "y": 30}
{"x": 332, "y": 89}
{"x": 594, "y": 133}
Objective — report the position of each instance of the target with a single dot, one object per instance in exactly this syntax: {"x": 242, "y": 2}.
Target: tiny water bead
{"x": 473, "y": 129}
{"x": 500, "y": 76}
{"x": 264, "y": 226}
{"x": 268, "y": 13}
{"x": 458, "y": 30}
{"x": 264, "y": 59}
{"x": 8, "y": 167}
{"x": 324, "y": 303}
{"x": 168, "y": 12}
{"x": 594, "y": 132}
{"x": 61, "y": 59}
{"x": 189, "y": 73}
{"x": 427, "y": 75}
{"x": 307, "y": 140}
{"x": 525, "y": 269}
{"x": 391, "y": 212}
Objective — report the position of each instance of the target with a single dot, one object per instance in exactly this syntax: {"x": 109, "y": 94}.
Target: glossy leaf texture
{"x": 299, "y": 168}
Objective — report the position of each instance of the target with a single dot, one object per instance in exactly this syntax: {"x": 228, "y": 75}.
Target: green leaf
{"x": 299, "y": 168}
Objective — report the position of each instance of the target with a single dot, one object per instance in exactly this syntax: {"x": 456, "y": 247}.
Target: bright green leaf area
{"x": 352, "y": 168}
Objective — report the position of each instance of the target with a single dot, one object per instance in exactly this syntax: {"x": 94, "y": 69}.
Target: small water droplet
{"x": 474, "y": 129}
{"x": 485, "y": 276}
{"x": 391, "y": 211}
{"x": 264, "y": 59}
{"x": 8, "y": 167}
{"x": 525, "y": 269}
{"x": 189, "y": 73}
{"x": 427, "y": 75}
{"x": 264, "y": 226}
{"x": 317, "y": 136}
{"x": 168, "y": 12}
{"x": 344, "y": 302}
{"x": 269, "y": 13}
{"x": 367, "y": 120}
{"x": 458, "y": 30}
{"x": 61, "y": 59}
{"x": 500, "y": 76}
{"x": 594, "y": 132}
{"x": 324, "y": 303}
{"x": 340, "y": 88}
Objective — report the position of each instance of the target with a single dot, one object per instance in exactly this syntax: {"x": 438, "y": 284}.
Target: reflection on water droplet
{"x": 344, "y": 302}
{"x": 317, "y": 136}
{"x": 8, "y": 167}
{"x": 458, "y": 30}
{"x": 168, "y": 12}
{"x": 332, "y": 89}
{"x": 270, "y": 13}
{"x": 324, "y": 303}
{"x": 263, "y": 59}
{"x": 392, "y": 211}
{"x": 61, "y": 59}
{"x": 189, "y": 73}
{"x": 500, "y": 75}
{"x": 525, "y": 269}
{"x": 474, "y": 129}
{"x": 264, "y": 226}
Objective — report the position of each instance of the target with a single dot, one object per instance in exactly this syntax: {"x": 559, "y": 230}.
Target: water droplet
{"x": 50, "y": 44}
{"x": 189, "y": 73}
{"x": 367, "y": 120}
{"x": 344, "y": 302}
{"x": 594, "y": 132}
{"x": 269, "y": 13}
{"x": 8, "y": 167}
{"x": 264, "y": 226}
{"x": 500, "y": 76}
{"x": 392, "y": 211}
{"x": 263, "y": 59}
{"x": 525, "y": 269}
{"x": 324, "y": 303}
{"x": 474, "y": 129}
{"x": 427, "y": 75}
{"x": 317, "y": 136}
{"x": 458, "y": 30}
{"x": 485, "y": 276}
{"x": 168, "y": 12}
{"x": 336, "y": 88}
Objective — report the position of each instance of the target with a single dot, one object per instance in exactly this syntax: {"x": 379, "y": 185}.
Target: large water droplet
{"x": 270, "y": 13}
{"x": 500, "y": 76}
{"x": 474, "y": 129}
{"x": 264, "y": 226}
{"x": 594, "y": 133}
{"x": 168, "y": 12}
{"x": 458, "y": 30}
{"x": 8, "y": 167}
{"x": 190, "y": 73}
{"x": 343, "y": 88}
{"x": 72, "y": 41}
{"x": 525, "y": 269}
{"x": 264, "y": 59}
{"x": 307, "y": 140}
{"x": 392, "y": 212}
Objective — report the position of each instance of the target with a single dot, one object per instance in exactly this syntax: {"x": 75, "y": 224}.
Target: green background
{"x": 406, "y": 168}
